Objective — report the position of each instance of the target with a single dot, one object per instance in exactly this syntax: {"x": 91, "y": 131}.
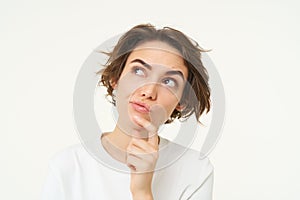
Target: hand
{"x": 142, "y": 154}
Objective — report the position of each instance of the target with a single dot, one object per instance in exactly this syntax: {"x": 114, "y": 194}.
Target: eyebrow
{"x": 172, "y": 72}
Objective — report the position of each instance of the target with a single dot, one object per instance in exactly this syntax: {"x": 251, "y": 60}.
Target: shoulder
{"x": 70, "y": 159}
{"x": 68, "y": 153}
{"x": 193, "y": 160}
{"x": 189, "y": 161}
{"x": 192, "y": 173}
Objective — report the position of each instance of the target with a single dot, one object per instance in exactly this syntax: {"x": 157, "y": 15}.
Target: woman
{"x": 153, "y": 76}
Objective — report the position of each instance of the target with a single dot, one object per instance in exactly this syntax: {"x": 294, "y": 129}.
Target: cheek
{"x": 158, "y": 114}
{"x": 169, "y": 101}
{"x": 172, "y": 107}
{"x": 161, "y": 111}
{"x": 126, "y": 86}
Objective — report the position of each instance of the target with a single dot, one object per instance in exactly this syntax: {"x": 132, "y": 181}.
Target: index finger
{"x": 152, "y": 130}
{"x": 145, "y": 124}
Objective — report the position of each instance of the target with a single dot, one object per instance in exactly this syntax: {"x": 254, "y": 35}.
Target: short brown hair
{"x": 190, "y": 52}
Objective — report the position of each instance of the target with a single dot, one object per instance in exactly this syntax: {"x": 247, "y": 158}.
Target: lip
{"x": 140, "y": 107}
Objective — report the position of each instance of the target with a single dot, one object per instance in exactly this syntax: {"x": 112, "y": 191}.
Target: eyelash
{"x": 175, "y": 82}
{"x": 136, "y": 68}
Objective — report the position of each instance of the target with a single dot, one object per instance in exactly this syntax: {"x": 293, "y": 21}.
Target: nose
{"x": 149, "y": 91}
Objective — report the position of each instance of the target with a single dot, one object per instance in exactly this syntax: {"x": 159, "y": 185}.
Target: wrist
{"x": 145, "y": 195}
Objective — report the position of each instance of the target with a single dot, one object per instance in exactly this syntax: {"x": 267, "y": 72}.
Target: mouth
{"x": 140, "y": 107}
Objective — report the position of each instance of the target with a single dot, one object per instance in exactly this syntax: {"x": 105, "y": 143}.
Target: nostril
{"x": 149, "y": 92}
{"x": 147, "y": 96}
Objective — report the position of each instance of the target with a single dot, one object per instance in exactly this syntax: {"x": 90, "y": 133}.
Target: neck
{"x": 119, "y": 139}
{"x": 116, "y": 143}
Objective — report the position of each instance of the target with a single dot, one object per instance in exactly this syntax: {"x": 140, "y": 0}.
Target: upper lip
{"x": 141, "y": 104}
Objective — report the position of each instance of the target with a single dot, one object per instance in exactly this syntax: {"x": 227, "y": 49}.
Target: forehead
{"x": 160, "y": 54}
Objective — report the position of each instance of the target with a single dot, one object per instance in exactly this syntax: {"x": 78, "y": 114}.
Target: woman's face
{"x": 150, "y": 85}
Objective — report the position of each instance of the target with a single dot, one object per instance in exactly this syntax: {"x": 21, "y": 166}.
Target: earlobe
{"x": 180, "y": 108}
{"x": 113, "y": 83}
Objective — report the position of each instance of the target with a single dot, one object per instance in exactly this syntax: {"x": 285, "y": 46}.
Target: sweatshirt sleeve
{"x": 52, "y": 189}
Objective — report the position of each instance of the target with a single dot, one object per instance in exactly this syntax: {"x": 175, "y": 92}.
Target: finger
{"x": 135, "y": 150}
{"x": 133, "y": 162}
{"x": 146, "y": 146}
{"x": 149, "y": 155}
{"x": 140, "y": 164}
{"x": 153, "y": 140}
{"x": 143, "y": 158}
{"x": 145, "y": 124}
{"x": 133, "y": 168}
{"x": 152, "y": 130}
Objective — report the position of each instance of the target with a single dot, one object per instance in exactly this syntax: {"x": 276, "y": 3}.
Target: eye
{"x": 170, "y": 82}
{"x": 138, "y": 71}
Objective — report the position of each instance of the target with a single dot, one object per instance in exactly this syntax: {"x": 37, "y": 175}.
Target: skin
{"x": 148, "y": 91}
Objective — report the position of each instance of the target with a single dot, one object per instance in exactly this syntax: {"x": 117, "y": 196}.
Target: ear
{"x": 180, "y": 107}
{"x": 113, "y": 83}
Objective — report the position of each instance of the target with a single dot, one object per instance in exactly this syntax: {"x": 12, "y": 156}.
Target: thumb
{"x": 153, "y": 140}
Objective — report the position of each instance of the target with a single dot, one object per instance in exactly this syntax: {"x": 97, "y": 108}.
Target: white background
{"x": 255, "y": 47}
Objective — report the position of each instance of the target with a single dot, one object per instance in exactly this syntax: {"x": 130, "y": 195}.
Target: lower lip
{"x": 140, "y": 108}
